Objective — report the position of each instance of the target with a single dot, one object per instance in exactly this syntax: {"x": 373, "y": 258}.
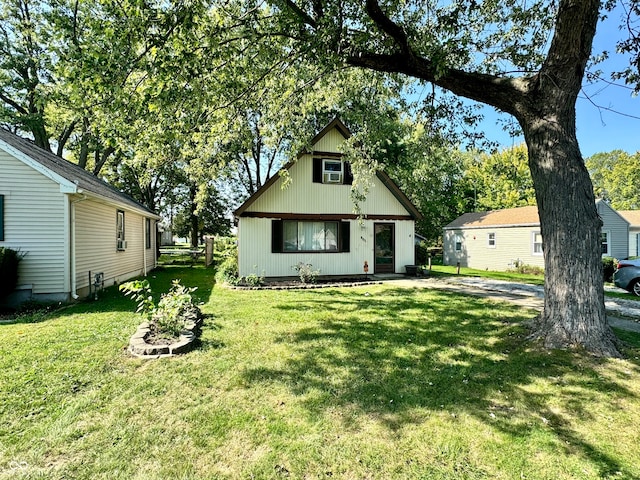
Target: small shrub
{"x": 306, "y": 273}
{"x": 228, "y": 271}
{"x": 608, "y": 267}
{"x": 174, "y": 310}
{"x": 9, "y": 260}
{"x": 253, "y": 280}
{"x": 421, "y": 253}
{"x": 520, "y": 267}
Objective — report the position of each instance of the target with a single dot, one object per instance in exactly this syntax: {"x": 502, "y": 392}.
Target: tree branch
{"x": 388, "y": 26}
{"x": 301, "y": 14}
{"x": 503, "y": 93}
{"x": 19, "y": 108}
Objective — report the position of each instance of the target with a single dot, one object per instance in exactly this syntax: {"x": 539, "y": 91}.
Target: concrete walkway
{"x": 621, "y": 313}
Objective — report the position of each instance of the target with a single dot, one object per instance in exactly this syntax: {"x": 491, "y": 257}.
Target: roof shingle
{"x": 520, "y": 216}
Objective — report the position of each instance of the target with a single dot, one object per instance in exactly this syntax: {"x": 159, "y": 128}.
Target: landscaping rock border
{"x": 139, "y": 347}
{"x": 302, "y": 286}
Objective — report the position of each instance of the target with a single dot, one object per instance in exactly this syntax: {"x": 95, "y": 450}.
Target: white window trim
{"x": 489, "y": 240}
{"x": 327, "y": 173}
{"x": 457, "y": 238}
{"x": 121, "y": 242}
{"x": 608, "y": 242}
{"x": 533, "y": 244}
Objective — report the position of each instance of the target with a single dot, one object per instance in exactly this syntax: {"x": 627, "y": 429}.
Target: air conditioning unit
{"x": 333, "y": 177}
{"x": 121, "y": 244}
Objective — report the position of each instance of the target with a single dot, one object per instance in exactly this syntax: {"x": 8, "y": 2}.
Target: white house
{"x": 500, "y": 239}
{"x": 312, "y": 220}
{"x": 69, "y": 224}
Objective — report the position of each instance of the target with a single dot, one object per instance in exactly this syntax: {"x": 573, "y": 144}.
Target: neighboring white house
{"x": 633, "y": 217}
{"x": 500, "y": 239}
{"x": 312, "y": 221}
{"x": 69, "y": 224}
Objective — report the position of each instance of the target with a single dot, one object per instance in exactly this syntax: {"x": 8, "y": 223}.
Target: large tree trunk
{"x": 574, "y": 313}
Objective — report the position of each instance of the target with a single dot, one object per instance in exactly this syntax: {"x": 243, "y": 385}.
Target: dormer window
{"x": 332, "y": 171}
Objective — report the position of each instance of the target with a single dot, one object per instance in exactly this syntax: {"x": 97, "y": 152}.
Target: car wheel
{"x": 635, "y": 288}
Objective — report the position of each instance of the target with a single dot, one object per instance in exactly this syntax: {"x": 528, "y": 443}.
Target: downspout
{"x": 144, "y": 245}
{"x": 74, "y": 282}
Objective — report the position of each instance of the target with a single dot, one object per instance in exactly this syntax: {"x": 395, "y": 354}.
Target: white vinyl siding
{"x": 303, "y": 196}
{"x": 330, "y": 142}
{"x": 35, "y": 217}
{"x": 255, "y": 254}
{"x": 618, "y": 231}
{"x": 515, "y": 245}
{"x": 96, "y": 230}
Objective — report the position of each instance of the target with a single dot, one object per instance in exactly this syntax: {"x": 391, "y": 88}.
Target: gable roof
{"x": 70, "y": 177}
{"x": 344, "y": 131}
{"x": 510, "y": 217}
{"x": 631, "y": 216}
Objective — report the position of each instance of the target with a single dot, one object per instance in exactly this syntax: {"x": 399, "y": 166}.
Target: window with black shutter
{"x": 332, "y": 171}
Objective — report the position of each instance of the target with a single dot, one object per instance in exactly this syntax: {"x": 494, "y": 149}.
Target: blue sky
{"x": 599, "y": 130}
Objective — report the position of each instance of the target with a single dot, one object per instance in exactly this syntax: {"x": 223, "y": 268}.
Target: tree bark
{"x": 574, "y": 313}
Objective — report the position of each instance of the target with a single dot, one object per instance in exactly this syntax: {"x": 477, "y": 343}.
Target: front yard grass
{"x": 367, "y": 382}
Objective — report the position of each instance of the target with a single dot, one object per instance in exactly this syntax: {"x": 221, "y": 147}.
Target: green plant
{"x": 173, "y": 311}
{"x": 140, "y": 292}
{"x": 253, "y": 280}
{"x": 227, "y": 271}
{"x": 9, "y": 260}
{"x": 608, "y": 267}
{"x": 306, "y": 273}
{"x": 524, "y": 269}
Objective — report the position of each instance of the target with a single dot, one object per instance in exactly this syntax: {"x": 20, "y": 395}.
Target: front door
{"x": 385, "y": 247}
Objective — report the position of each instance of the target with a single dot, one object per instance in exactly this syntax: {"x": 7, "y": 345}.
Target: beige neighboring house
{"x": 312, "y": 221}
{"x": 69, "y": 224}
{"x": 501, "y": 239}
{"x": 633, "y": 217}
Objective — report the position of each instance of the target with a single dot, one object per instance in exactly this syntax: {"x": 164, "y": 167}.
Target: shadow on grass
{"x": 399, "y": 356}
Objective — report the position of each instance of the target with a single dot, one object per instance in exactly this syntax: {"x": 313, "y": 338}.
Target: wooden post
{"x": 458, "y": 268}
{"x": 429, "y": 263}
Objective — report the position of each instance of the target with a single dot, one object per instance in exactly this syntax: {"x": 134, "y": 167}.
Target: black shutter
{"x": 317, "y": 170}
{"x": 345, "y": 236}
{"x": 276, "y": 236}
{"x": 348, "y": 174}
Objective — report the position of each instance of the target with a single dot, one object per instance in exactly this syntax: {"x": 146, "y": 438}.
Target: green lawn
{"x": 446, "y": 270}
{"x": 370, "y": 382}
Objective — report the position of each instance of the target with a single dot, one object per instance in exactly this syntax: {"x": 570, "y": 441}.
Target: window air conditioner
{"x": 121, "y": 245}
{"x": 333, "y": 177}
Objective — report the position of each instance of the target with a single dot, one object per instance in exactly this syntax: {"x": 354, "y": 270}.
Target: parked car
{"x": 627, "y": 275}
